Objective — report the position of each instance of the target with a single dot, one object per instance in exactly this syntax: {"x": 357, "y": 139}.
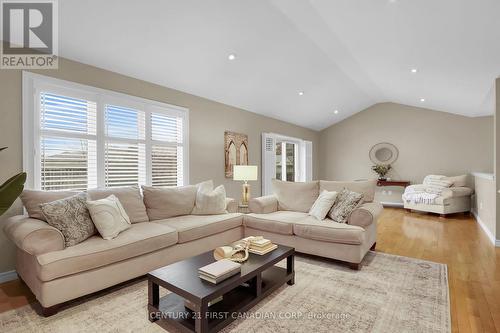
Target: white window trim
{"x": 32, "y": 83}
{"x": 303, "y": 161}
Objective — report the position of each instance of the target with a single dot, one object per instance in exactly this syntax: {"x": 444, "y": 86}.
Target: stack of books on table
{"x": 219, "y": 270}
{"x": 261, "y": 246}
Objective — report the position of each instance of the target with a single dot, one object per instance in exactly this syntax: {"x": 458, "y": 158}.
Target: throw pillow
{"x": 323, "y": 204}
{"x": 346, "y": 202}
{"x": 206, "y": 186}
{"x": 71, "y": 217}
{"x": 210, "y": 201}
{"x": 109, "y": 216}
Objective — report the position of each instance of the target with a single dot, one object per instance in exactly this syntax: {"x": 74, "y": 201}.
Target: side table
{"x": 243, "y": 208}
{"x": 403, "y": 183}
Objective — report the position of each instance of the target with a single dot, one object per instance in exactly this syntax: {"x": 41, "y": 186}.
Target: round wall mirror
{"x": 383, "y": 153}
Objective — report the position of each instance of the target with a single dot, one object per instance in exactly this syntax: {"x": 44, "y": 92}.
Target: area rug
{"x": 389, "y": 294}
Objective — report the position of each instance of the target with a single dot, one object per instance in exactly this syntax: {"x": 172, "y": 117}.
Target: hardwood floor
{"x": 473, "y": 264}
{"x": 14, "y": 294}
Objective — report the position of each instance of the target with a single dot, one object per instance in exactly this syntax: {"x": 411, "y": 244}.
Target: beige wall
{"x": 483, "y": 203}
{"x": 208, "y": 121}
{"x": 497, "y": 154}
{"x": 429, "y": 142}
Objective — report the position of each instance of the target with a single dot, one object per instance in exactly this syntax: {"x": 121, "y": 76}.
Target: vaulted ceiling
{"x": 343, "y": 55}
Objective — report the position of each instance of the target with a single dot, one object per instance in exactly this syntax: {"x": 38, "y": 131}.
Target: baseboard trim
{"x": 8, "y": 276}
{"x": 392, "y": 204}
{"x": 488, "y": 233}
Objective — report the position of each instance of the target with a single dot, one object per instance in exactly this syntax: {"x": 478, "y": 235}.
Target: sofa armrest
{"x": 33, "y": 236}
{"x": 365, "y": 214}
{"x": 231, "y": 205}
{"x": 263, "y": 205}
{"x": 456, "y": 192}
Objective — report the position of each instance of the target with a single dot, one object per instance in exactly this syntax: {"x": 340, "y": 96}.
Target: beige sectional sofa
{"x": 56, "y": 274}
{"x": 163, "y": 231}
{"x": 283, "y": 218}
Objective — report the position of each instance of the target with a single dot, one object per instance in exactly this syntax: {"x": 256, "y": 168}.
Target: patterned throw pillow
{"x": 346, "y": 202}
{"x": 71, "y": 217}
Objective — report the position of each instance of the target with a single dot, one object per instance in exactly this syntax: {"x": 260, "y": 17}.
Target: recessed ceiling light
{"x": 414, "y": 70}
{"x": 301, "y": 93}
{"x": 336, "y": 111}
{"x": 422, "y": 100}
{"x": 232, "y": 56}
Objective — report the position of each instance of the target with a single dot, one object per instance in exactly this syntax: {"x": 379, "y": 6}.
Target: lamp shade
{"x": 245, "y": 172}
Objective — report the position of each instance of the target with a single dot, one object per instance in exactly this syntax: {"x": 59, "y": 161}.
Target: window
{"x": 285, "y": 158}
{"x": 286, "y": 166}
{"x": 67, "y": 140}
{"x": 78, "y": 137}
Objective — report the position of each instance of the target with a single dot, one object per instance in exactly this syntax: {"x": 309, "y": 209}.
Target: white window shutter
{"x": 67, "y": 143}
{"x": 308, "y": 160}
{"x": 167, "y": 150}
{"x": 124, "y": 151}
{"x": 268, "y": 162}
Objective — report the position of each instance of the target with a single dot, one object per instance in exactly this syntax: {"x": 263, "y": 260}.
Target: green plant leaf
{"x": 10, "y": 190}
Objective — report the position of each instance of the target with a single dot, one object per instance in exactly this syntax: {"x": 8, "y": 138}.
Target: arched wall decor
{"x": 235, "y": 151}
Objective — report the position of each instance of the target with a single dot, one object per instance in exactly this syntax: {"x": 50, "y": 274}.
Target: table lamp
{"x": 245, "y": 173}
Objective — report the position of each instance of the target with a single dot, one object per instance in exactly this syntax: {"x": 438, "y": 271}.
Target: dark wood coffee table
{"x": 259, "y": 277}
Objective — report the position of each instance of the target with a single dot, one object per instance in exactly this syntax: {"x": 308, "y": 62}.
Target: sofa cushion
{"x": 164, "y": 202}
{"x": 96, "y": 252}
{"x": 263, "y": 205}
{"x": 130, "y": 198}
{"x": 328, "y": 231}
{"x": 295, "y": 196}
{"x": 33, "y": 199}
{"x": 280, "y": 222}
{"x": 450, "y": 194}
{"x": 365, "y": 187}
{"x": 191, "y": 227}
{"x": 458, "y": 181}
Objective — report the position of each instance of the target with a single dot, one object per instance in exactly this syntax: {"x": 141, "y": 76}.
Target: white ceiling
{"x": 344, "y": 54}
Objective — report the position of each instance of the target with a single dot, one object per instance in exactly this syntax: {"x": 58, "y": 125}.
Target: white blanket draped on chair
{"x": 426, "y": 193}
